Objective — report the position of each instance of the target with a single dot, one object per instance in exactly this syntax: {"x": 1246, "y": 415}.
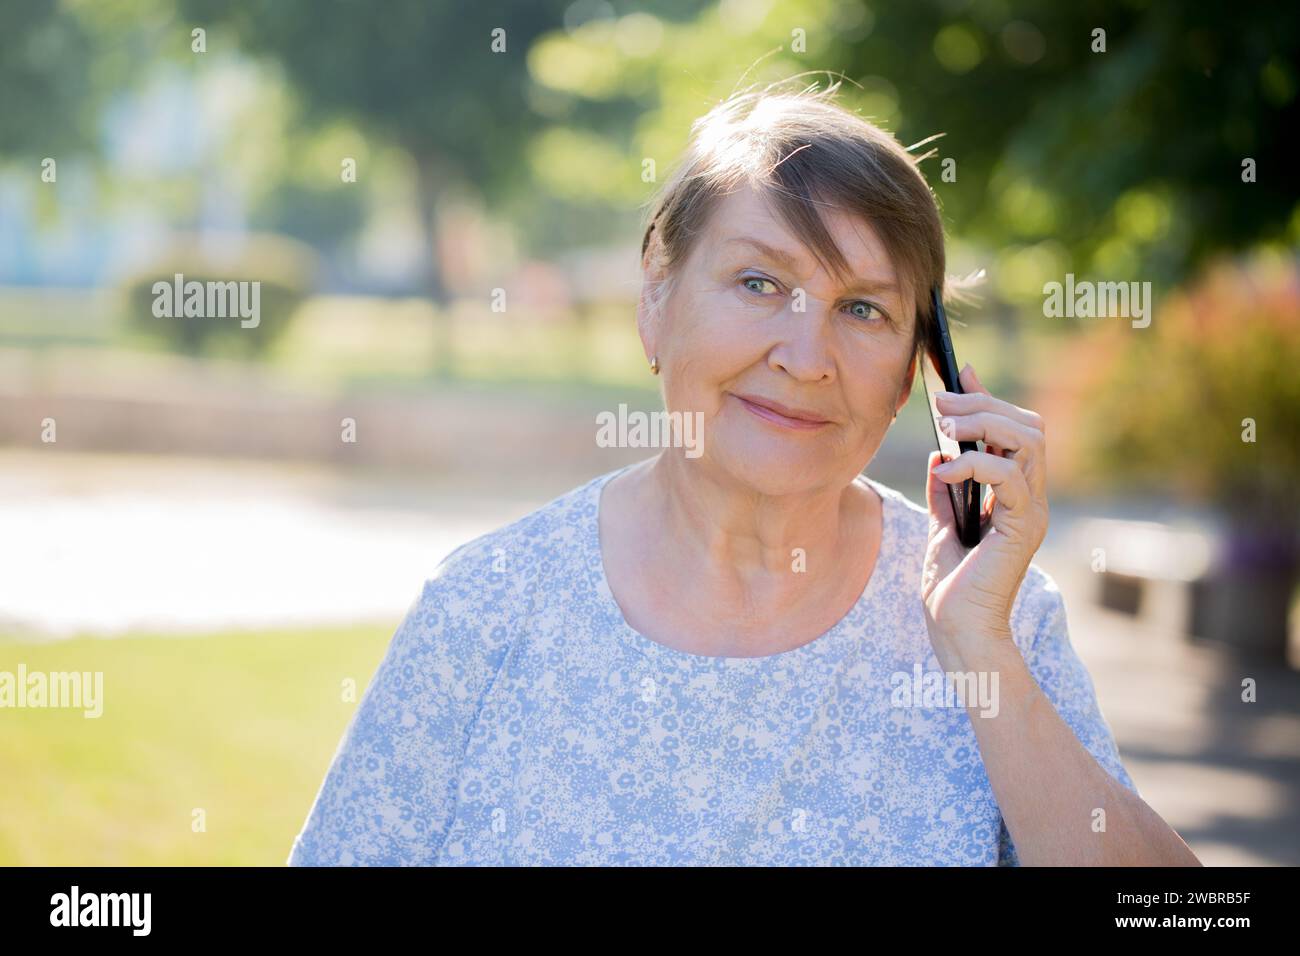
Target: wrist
{"x": 994, "y": 662}
{"x": 978, "y": 649}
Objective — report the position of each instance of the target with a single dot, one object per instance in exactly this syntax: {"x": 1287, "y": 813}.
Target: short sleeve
{"x": 389, "y": 793}
{"x": 1064, "y": 680}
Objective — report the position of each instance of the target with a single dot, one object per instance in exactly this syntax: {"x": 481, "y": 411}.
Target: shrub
{"x": 282, "y": 268}
{"x": 1170, "y": 407}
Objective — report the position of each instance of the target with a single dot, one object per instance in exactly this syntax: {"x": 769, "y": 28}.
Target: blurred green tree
{"x": 446, "y": 82}
{"x": 1067, "y": 157}
{"x": 48, "y": 104}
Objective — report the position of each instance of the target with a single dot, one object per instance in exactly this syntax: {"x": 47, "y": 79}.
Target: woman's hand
{"x": 969, "y": 594}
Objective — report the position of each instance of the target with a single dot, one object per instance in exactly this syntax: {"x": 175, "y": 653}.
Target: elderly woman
{"x": 728, "y": 658}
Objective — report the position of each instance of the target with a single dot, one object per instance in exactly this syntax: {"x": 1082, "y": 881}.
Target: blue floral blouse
{"x": 517, "y": 719}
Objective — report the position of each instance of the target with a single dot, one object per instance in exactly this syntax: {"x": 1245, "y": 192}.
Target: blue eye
{"x": 746, "y": 280}
{"x": 864, "y": 310}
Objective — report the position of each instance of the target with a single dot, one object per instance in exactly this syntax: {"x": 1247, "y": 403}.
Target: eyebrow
{"x": 792, "y": 263}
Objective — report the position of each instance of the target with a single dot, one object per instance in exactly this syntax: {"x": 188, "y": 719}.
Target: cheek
{"x": 713, "y": 333}
{"x": 872, "y": 385}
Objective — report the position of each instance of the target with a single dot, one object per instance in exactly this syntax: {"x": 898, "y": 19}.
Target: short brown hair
{"x": 806, "y": 150}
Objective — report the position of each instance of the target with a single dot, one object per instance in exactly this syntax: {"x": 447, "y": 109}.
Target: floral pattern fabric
{"x": 517, "y": 719}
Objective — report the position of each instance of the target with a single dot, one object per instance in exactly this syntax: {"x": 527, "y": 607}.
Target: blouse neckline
{"x": 825, "y": 643}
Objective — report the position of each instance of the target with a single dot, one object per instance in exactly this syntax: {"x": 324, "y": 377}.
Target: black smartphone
{"x": 939, "y": 373}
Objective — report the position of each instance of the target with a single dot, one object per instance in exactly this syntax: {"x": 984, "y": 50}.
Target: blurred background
{"x": 442, "y": 203}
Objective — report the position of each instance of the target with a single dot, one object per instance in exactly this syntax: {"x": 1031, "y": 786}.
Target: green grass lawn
{"x": 241, "y": 725}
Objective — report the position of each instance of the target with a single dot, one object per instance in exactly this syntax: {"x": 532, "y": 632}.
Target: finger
{"x": 979, "y": 387}
{"x": 990, "y": 502}
{"x": 936, "y": 495}
{"x": 1001, "y": 474}
{"x": 969, "y": 402}
{"x": 993, "y": 429}
{"x": 980, "y": 400}
{"x": 1004, "y": 438}
{"x": 970, "y": 381}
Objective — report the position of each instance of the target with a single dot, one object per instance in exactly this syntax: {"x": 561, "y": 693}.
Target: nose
{"x": 803, "y": 347}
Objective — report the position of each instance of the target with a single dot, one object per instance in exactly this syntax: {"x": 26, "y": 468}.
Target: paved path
{"x": 108, "y": 545}
{"x": 1224, "y": 773}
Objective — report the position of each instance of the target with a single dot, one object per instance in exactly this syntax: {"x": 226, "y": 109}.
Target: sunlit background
{"x": 445, "y": 221}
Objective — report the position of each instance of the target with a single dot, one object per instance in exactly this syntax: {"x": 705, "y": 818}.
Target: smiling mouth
{"x": 770, "y": 414}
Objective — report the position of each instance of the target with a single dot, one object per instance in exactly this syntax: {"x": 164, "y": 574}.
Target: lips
{"x": 787, "y": 416}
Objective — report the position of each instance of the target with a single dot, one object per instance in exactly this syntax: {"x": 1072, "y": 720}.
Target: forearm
{"x": 1050, "y": 788}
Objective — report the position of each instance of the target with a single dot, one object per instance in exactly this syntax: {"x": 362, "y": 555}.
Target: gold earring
{"x": 654, "y": 365}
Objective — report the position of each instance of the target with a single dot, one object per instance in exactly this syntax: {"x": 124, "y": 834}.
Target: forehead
{"x": 746, "y": 214}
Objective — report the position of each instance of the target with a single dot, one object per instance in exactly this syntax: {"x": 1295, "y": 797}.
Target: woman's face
{"x": 755, "y": 326}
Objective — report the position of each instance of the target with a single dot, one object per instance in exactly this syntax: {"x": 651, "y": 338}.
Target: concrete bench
{"x": 1148, "y": 569}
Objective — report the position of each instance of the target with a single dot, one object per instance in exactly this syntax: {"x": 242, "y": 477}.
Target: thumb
{"x": 937, "y": 495}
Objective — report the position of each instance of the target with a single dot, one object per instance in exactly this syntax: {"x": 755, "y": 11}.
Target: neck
{"x": 718, "y": 523}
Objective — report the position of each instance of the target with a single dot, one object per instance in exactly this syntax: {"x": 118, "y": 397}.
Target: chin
{"x": 774, "y": 466}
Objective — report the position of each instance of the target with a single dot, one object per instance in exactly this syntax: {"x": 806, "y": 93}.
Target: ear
{"x": 649, "y": 306}
{"x": 909, "y": 379}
